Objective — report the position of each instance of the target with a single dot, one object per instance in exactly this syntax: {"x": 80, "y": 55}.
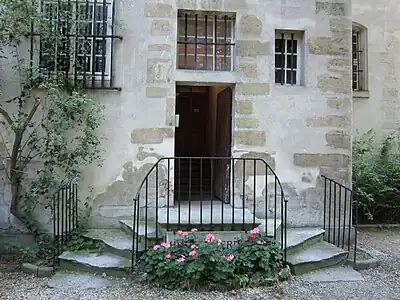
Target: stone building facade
{"x": 376, "y": 106}
{"x": 292, "y": 108}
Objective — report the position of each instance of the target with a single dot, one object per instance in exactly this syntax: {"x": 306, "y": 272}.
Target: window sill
{"x": 360, "y": 94}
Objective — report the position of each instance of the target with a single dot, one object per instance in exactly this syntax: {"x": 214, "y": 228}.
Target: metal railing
{"x": 65, "y": 217}
{"x": 339, "y": 218}
{"x": 208, "y": 193}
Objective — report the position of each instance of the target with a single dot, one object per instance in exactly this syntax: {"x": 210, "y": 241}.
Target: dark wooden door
{"x": 190, "y": 135}
{"x": 223, "y": 144}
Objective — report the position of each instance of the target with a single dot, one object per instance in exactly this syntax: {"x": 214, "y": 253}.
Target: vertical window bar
{"x": 206, "y": 42}
{"x": 225, "y": 33}
{"x": 103, "y": 43}
{"x": 31, "y": 45}
{"x": 291, "y": 60}
{"x": 77, "y": 11}
{"x": 215, "y": 42}
{"x": 283, "y": 47}
{"x": 186, "y": 37}
{"x": 94, "y": 35}
{"x": 358, "y": 52}
{"x": 195, "y": 40}
{"x": 50, "y": 55}
{"x": 67, "y": 51}
{"x": 85, "y": 57}
{"x": 112, "y": 44}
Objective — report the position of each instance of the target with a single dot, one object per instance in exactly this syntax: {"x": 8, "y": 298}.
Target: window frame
{"x": 287, "y": 36}
{"x": 231, "y": 20}
{"x": 74, "y": 36}
{"x": 361, "y": 61}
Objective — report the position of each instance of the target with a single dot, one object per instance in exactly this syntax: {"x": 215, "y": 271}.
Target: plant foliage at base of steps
{"x": 192, "y": 262}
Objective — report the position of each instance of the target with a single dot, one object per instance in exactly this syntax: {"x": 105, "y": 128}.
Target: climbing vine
{"x": 46, "y": 124}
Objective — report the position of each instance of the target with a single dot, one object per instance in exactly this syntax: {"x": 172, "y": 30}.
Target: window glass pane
{"x": 100, "y": 65}
{"x": 223, "y": 64}
{"x": 291, "y": 61}
{"x": 279, "y": 61}
{"x": 291, "y": 77}
{"x": 278, "y": 76}
{"x": 100, "y": 28}
{"x": 100, "y": 12}
{"x": 100, "y": 46}
{"x": 83, "y": 63}
{"x": 222, "y": 28}
{"x": 279, "y": 46}
{"x": 291, "y": 44}
{"x": 222, "y": 50}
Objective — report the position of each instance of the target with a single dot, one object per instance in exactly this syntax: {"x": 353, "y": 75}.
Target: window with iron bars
{"x": 82, "y": 48}
{"x": 357, "y": 62}
{"x": 205, "y": 41}
{"x": 287, "y": 57}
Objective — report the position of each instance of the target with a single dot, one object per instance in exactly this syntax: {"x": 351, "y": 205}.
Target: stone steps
{"x": 317, "y": 256}
{"x": 111, "y": 264}
{"x": 306, "y": 250}
{"x": 115, "y": 241}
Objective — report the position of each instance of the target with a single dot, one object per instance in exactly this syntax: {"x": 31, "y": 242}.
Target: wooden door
{"x": 223, "y": 144}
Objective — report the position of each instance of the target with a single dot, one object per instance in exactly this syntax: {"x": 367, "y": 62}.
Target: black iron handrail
{"x": 339, "y": 217}
{"x": 203, "y": 180}
{"x": 65, "y": 217}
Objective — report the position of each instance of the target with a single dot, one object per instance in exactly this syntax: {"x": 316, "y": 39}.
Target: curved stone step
{"x": 116, "y": 241}
{"x": 315, "y": 257}
{"x": 301, "y": 238}
{"x": 111, "y": 264}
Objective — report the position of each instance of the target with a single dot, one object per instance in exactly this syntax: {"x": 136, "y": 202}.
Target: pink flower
{"x": 210, "y": 238}
{"x": 194, "y": 230}
{"x": 168, "y": 256}
{"x": 255, "y": 230}
{"x": 230, "y": 257}
{"x": 182, "y": 233}
{"x": 192, "y": 253}
{"x": 156, "y": 247}
{"x": 193, "y": 247}
{"x": 166, "y": 245}
{"x": 181, "y": 259}
{"x": 260, "y": 242}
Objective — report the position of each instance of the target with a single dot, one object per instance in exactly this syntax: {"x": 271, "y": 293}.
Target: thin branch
{"x": 7, "y": 117}
{"x": 30, "y": 116}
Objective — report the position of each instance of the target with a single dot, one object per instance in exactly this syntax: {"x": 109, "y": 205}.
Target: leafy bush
{"x": 192, "y": 261}
{"x": 376, "y": 178}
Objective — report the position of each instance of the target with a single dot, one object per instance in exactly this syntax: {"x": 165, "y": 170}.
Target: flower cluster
{"x": 195, "y": 260}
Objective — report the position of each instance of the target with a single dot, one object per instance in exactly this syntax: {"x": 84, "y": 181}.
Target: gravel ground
{"x": 379, "y": 283}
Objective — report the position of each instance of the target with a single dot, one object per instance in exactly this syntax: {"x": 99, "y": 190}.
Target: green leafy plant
{"x": 45, "y": 121}
{"x": 192, "y": 261}
{"x": 376, "y": 178}
{"x": 27, "y": 254}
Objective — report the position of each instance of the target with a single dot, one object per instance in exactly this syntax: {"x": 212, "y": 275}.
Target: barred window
{"x": 205, "y": 41}
{"x": 82, "y": 47}
{"x": 287, "y": 57}
{"x": 359, "y": 58}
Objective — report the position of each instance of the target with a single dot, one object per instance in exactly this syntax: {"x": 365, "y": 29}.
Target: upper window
{"x": 359, "y": 58}
{"x": 205, "y": 41}
{"x": 83, "y": 44}
{"x": 287, "y": 57}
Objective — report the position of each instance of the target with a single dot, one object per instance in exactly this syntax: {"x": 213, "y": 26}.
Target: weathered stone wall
{"x": 379, "y": 109}
{"x": 302, "y": 131}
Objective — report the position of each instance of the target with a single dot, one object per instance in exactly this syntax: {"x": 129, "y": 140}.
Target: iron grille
{"x": 357, "y": 70}
{"x": 82, "y": 48}
{"x": 286, "y": 59}
{"x": 205, "y": 41}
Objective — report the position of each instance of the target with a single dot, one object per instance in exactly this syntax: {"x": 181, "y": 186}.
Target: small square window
{"x": 287, "y": 57}
{"x": 205, "y": 41}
